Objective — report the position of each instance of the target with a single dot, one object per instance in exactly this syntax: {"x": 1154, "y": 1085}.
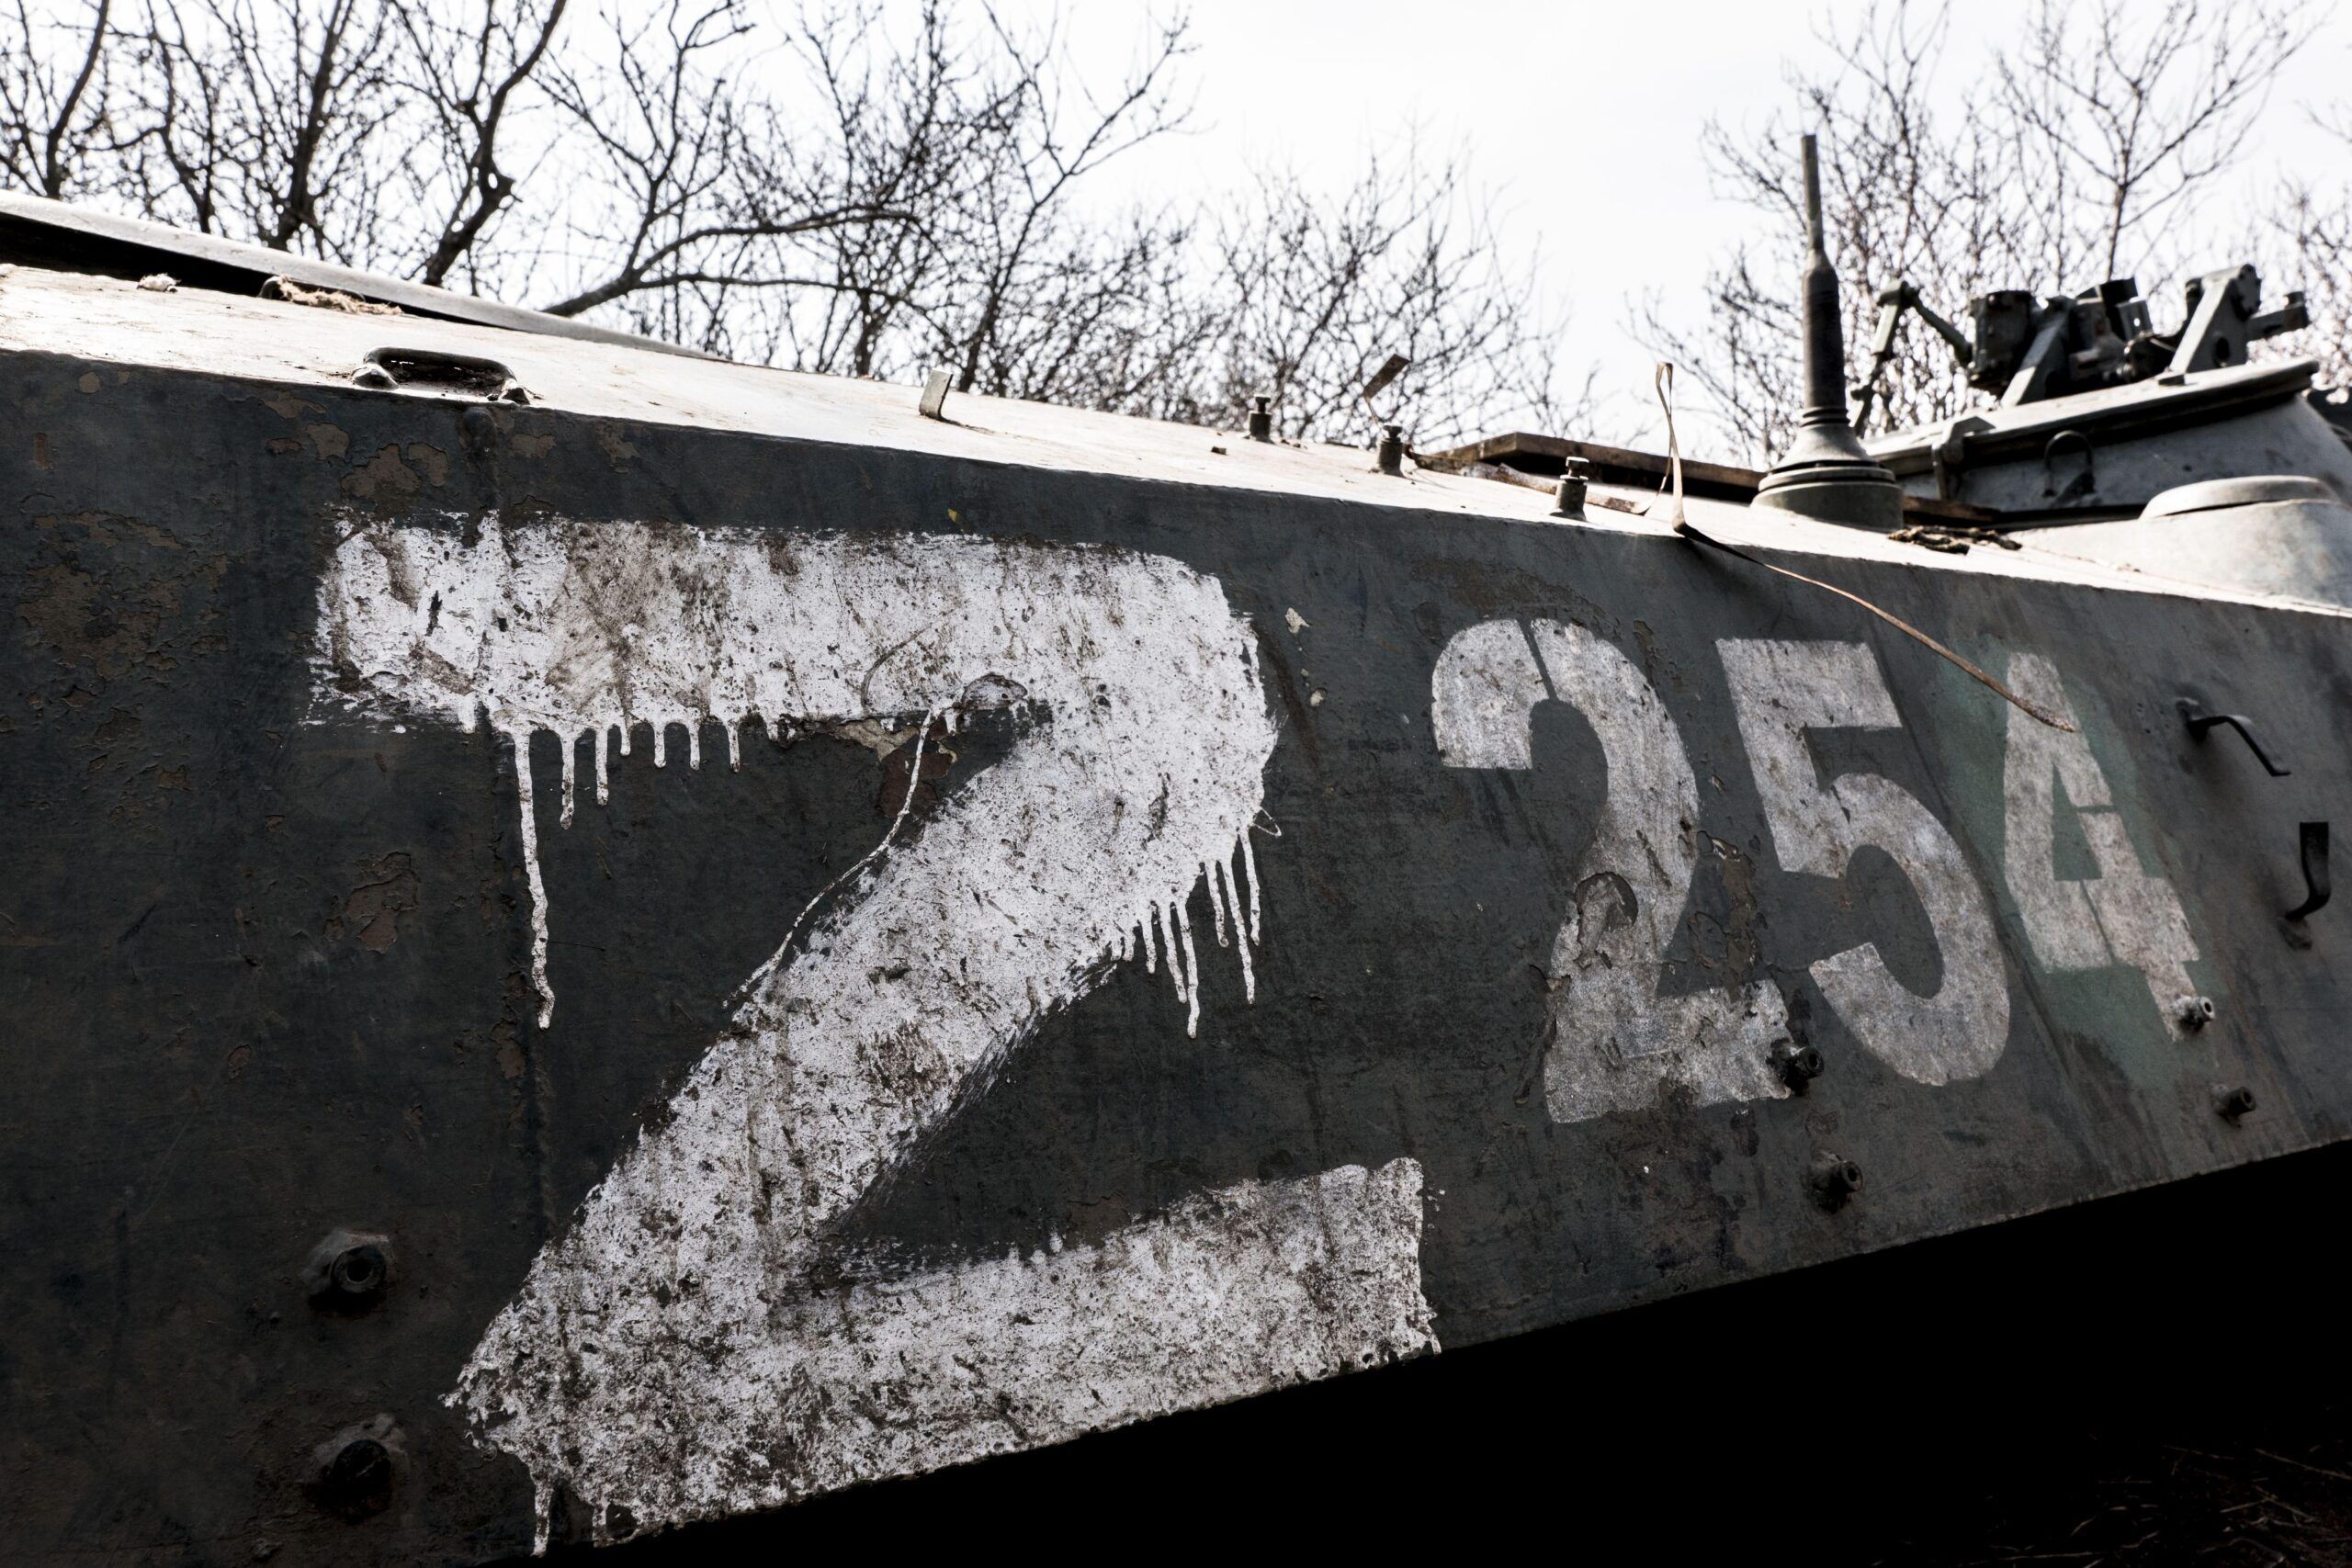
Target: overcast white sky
{"x": 1585, "y": 113}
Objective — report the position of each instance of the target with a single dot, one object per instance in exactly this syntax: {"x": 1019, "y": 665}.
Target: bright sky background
{"x": 1584, "y": 114}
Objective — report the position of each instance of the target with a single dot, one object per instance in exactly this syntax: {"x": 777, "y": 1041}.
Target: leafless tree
{"x": 52, "y": 96}
{"x": 1047, "y": 136}
{"x": 1908, "y": 194}
{"x": 267, "y": 120}
{"x": 2122, "y": 123}
{"x": 846, "y": 187}
{"x": 893, "y": 122}
{"x": 704, "y": 191}
{"x": 472, "y": 75}
{"x": 2308, "y": 232}
{"x": 996, "y": 273}
{"x": 2081, "y": 152}
{"x": 1321, "y": 292}
{"x": 1109, "y": 315}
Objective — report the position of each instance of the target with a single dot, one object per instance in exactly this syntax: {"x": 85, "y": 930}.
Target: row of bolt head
{"x": 1575, "y": 478}
{"x": 1390, "y": 452}
{"x": 2194, "y": 1012}
{"x": 1835, "y": 1178}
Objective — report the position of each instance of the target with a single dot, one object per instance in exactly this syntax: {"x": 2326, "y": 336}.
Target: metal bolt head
{"x": 1262, "y": 418}
{"x": 2193, "y": 1012}
{"x": 360, "y": 1473}
{"x": 355, "y": 1470}
{"x": 358, "y": 1271}
{"x": 1799, "y": 1064}
{"x": 1392, "y": 450}
{"x": 477, "y": 430}
{"x": 349, "y": 1272}
{"x": 2234, "y": 1103}
{"x": 1567, "y": 499}
{"x": 1835, "y": 1178}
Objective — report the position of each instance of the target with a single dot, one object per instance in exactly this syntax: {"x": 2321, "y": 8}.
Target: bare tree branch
{"x": 2105, "y": 123}
{"x": 470, "y": 75}
{"x": 860, "y": 189}
{"x": 47, "y": 128}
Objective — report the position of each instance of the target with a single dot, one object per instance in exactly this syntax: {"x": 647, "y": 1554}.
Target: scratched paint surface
{"x": 665, "y": 1339}
{"x": 279, "y": 946}
{"x": 1613, "y": 1042}
{"x": 893, "y": 1372}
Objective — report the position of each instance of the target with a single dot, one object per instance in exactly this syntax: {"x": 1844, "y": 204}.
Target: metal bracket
{"x": 1948, "y": 456}
{"x": 2220, "y": 305}
{"x": 2316, "y": 880}
{"x": 2042, "y": 356}
{"x": 934, "y": 396}
{"x": 2083, "y": 485}
{"x": 385, "y": 369}
{"x": 2199, "y": 721}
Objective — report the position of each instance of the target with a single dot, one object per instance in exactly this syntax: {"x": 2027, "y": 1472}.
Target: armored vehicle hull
{"x": 639, "y": 949}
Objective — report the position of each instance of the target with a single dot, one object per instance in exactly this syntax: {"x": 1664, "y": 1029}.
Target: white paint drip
{"x": 1192, "y": 973}
{"x": 651, "y": 1344}
{"x": 521, "y": 740}
{"x": 1249, "y": 868}
{"x": 1226, "y": 900}
{"x": 519, "y": 627}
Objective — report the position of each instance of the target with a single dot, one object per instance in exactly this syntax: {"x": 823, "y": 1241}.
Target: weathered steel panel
{"x": 861, "y": 1137}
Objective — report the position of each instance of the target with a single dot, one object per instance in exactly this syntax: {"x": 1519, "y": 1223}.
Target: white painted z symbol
{"x": 667, "y": 1359}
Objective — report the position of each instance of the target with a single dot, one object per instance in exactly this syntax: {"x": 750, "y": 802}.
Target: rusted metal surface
{"x": 1614, "y": 919}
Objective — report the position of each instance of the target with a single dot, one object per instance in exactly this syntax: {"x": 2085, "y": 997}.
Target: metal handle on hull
{"x": 2315, "y": 879}
{"x": 2199, "y": 721}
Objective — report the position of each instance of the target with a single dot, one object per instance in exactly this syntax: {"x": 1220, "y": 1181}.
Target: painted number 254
{"x": 1613, "y": 1039}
